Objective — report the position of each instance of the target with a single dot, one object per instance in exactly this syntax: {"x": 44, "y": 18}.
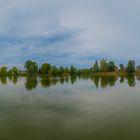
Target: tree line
{"x": 31, "y": 68}
{"x": 50, "y": 70}
{"x": 101, "y": 66}
{"x": 110, "y": 66}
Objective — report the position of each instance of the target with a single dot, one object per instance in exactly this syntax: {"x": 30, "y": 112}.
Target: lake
{"x": 76, "y": 108}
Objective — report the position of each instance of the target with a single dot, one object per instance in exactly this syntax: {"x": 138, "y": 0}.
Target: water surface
{"x": 87, "y": 108}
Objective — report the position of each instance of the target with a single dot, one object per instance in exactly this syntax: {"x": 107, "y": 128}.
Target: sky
{"x": 69, "y": 32}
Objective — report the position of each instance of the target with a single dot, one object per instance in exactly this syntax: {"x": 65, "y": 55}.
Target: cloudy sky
{"x": 65, "y": 32}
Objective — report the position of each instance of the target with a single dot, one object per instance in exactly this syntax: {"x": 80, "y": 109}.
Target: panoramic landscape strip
{"x": 100, "y": 68}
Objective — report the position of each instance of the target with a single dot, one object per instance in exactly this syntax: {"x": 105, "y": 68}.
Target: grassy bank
{"x": 113, "y": 74}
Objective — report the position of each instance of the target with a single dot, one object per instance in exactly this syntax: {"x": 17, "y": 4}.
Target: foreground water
{"x": 97, "y": 108}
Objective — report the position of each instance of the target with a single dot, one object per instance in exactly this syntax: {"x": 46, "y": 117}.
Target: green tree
{"x": 131, "y": 66}
{"x": 54, "y": 70}
{"x": 72, "y": 70}
{"x": 96, "y": 67}
{"x": 61, "y": 71}
{"x": 13, "y": 71}
{"x": 103, "y": 66}
{"x": 111, "y": 66}
{"x": 31, "y": 67}
{"x": 45, "y": 68}
{"x": 66, "y": 71}
{"x": 3, "y": 71}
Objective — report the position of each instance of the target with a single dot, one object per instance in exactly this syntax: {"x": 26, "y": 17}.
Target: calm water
{"x": 97, "y": 108}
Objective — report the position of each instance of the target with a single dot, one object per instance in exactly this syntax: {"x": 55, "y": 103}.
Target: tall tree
{"x": 61, "y": 71}
{"x": 103, "y": 65}
{"x": 96, "y": 67}
{"x": 31, "y": 67}
{"x": 3, "y": 71}
{"x": 66, "y": 71}
{"x": 54, "y": 70}
{"x": 131, "y": 66}
{"x": 45, "y": 68}
{"x": 111, "y": 66}
{"x": 13, "y": 71}
{"x": 73, "y": 70}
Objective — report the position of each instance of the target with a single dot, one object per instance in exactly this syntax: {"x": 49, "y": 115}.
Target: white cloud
{"x": 93, "y": 29}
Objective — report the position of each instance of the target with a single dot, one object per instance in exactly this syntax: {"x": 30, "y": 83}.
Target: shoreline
{"x": 137, "y": 73}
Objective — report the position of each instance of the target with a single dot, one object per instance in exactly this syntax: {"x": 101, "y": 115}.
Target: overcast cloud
{"x": 65, "y": 32}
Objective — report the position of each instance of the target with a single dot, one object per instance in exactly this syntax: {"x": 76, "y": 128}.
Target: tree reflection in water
{"x": 73, "y": 79}
{"x": 3, "y": 80}
{"x": 131, "y": 81}
{"x": 31, "y": 82}
{"x": 13, "y": 79}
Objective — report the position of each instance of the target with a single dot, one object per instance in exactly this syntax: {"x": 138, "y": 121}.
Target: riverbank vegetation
{"x": 102, "y": 68}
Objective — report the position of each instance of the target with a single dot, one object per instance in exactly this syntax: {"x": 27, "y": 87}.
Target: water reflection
{"x": 13, "y": 79}
{"x": 73, "y": 79}
{"x": 3, "y": 80}
{"x": 31, "y": 83}
{"x": 45, "y": 82}
{"x": 98, "y": 81}
{"x": 122, "y": 79}
{"x": 138, "y": 77}
{"x": 131, "y": 81}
